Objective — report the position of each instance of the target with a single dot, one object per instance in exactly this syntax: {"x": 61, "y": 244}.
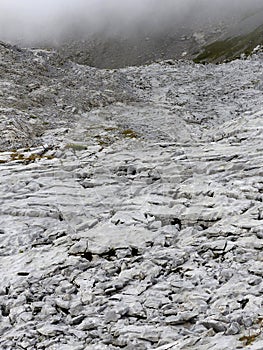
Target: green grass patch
{"x": 249, "y": 339}
{"x": 129, "y": 133}
{"x": 28, "y": 159}
{"x": 231, "y": 48}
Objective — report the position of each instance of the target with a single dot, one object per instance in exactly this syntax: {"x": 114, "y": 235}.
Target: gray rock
{"x": 76, "y": 308}
{"x": 63, "y": 303}
{"x": 51, "y": 330}
{"x": 111, "y": 316}
{"x": 136, "y": 309}
{"x": 181, "y": 318}
{"x": 151, "y": 335}
{"x": 79, "y": 248}
{"x": 89, "y": 323}
{"x": 217, "y": 326}
{"x": 233, "y": 329}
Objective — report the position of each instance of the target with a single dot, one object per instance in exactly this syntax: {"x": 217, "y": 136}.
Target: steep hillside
{"x": 231, "y": 48}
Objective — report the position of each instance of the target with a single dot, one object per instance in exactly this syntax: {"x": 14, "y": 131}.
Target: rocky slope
{"x": 131, "y": 205}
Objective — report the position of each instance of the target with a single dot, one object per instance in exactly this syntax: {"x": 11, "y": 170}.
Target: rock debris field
{"x": 131, "y": 211}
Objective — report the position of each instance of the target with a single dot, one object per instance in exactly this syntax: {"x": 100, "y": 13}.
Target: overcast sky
{"x": 53, "y": 19}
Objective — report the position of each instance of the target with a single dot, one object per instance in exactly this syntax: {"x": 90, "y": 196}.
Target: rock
{"x": 151, "y": 335}
{"x": 136, "y": 310}
{"x": 181, "y": 318}
{"x": 233, "y": 329}
{"x": 76, "y": 308}
{"x": 217, "y": 326}
{"x": 79, "y": 248}
{"x": 88, "y": 324}
{"x": 111, "y": 316}
{"x": 63, "y": 304}
{"x": 77, "y": 320}
{"x": 50, "y": 330}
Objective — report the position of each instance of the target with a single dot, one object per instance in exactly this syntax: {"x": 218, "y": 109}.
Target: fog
{"x": 55, "y": 20}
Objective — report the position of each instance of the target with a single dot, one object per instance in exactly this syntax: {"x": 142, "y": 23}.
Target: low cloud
{"x": 54, "y": 20}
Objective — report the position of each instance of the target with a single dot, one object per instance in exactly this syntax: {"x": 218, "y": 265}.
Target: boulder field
{"x": 131, "y": 212}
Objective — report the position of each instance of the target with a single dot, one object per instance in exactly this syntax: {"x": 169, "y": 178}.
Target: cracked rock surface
{"x": 131, "y": 209}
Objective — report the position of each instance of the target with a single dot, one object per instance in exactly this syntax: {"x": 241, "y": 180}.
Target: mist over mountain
{"x": 53, "y": 21}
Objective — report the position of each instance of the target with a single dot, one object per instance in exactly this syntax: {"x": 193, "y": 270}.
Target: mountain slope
{"x": 204, "y": 40}
{"x": 134, "y": 218}
{"x": 231, "y": 48}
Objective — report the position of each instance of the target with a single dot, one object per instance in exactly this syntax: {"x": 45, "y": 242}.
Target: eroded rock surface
{"x": 131, "y": 205}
